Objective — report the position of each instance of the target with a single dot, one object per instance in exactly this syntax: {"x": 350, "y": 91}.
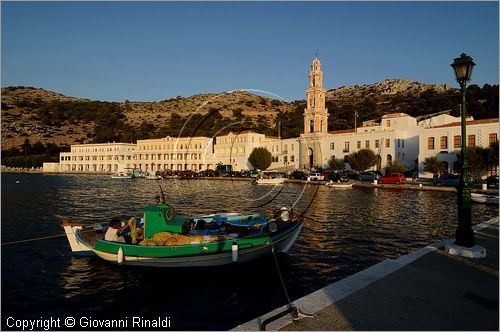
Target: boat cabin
{"x": 161, "y": 218}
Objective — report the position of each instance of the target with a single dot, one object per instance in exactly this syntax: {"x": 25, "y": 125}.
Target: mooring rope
{"x": 281, "y": 277}
{"x": 32, "y": 239}
{"x": 41, "y": 238}
{"x": 310, "y": 203}
{"x": 274, "y": 252}
{"x": 296, "y": 313}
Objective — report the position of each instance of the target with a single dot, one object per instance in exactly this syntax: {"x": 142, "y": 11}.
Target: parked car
{"x": 353, "y": 175}
{"x": 254, "y": 174}
{"x": 187, "y": 174}
{"x": 208, "y": 173}
{"x": 338, "y": 177}
{"x": 492, "y": 181}
{"x": 378, "y": 173}
{"x": 298, "y": 175}
{"x": 315, "y": 177}
{"x": 447, "y": 180}
{"x": 368, "y": 176}
{"x": 396, "y": 178}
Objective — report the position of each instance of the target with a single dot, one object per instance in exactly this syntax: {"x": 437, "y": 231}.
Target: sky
{"x": 151, "y": 51}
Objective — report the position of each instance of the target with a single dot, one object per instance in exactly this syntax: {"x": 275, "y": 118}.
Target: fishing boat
{"x": 270, "y": 178}
{"x": 484, "y": 198}
{"x": 162, "y": 238}
{"x": 339, "y": 185}
{"x": 152, "y": 176}
{"x": 270, "y": 181}
{"x": 121, "y": 175}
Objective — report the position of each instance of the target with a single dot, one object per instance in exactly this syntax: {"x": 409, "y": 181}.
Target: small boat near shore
{"x": 484, "y": 198}
{"x": 121, "y": 175}
{"x": 268, "y": 177}
{"x": 152, "y": 176}
{"x": 162, "y": 238}
{"x": 271, "y": 181}
{"x": 339, "y": 185}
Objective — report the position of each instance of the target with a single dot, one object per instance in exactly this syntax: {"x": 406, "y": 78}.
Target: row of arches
{"x": 321, "y": 128}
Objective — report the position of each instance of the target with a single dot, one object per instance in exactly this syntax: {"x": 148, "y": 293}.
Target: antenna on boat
{"x": 163, "y": 201}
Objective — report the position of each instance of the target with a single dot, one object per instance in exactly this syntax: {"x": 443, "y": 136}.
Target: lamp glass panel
{"x": 460, "y": 71}
{"x": 469, "y": 74}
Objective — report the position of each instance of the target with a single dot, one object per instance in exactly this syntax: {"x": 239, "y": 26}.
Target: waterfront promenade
{"x": 424, "y": 290}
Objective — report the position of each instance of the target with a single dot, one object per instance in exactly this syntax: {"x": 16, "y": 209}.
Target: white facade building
{"x": 445, "y": 141}
{"x": 174, "y": 153}
{"x": 235, "y": 148}
{"x": 394, "y": 138}
{"x": 97, "y": 158}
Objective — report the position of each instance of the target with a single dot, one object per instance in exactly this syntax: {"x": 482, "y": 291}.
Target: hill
{"x": 45, "y": 116}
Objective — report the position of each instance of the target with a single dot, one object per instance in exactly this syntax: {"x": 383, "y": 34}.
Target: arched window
{"x": 311, "y": 126}
{"x": 389, "y": 158}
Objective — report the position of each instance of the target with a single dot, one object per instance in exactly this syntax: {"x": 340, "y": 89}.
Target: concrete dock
{"x": 427, "y": 289}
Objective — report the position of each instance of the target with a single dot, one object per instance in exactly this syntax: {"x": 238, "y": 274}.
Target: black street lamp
{"x": 464, "y": 235}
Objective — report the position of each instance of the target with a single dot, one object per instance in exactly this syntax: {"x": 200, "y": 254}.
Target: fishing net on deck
{"x": 172, "y": 239}
{"x": 136, "y": 233}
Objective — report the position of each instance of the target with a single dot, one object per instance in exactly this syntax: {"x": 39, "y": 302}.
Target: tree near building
{"x": 260, "y": 158}
{"x": 478, "y": 160}
{"x": 335, "y": 164}
{"x": 493, "y": 156}
{"x": 362, "y": 159}
{"x": 394, "y": 167}
{"x": 434, "y": 165}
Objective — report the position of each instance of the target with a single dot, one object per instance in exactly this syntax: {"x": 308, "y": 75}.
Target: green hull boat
{"x": 170, "y": 240}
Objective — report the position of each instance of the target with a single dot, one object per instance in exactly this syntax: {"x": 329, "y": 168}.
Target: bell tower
{"x": 315, "y": 114}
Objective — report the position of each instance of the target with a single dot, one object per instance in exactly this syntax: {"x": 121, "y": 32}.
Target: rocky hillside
{"x": 250, "y": 105}
{"x": 24, "y": 114}
{"x": 50, "y": 117}
{"x": 389, "y": 87}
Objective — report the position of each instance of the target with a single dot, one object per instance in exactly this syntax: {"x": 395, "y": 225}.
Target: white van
{"x": 315, "y": 177}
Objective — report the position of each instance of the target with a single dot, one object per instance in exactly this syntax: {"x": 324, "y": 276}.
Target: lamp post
{"x": 464, "y": 235}
{"x": 355, "y": 121}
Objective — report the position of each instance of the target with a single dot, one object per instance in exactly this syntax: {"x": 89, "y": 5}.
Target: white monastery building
{"x": 445, "y": 141}
{"x": 97, "y": 158}
{"x": 395, "y": 137}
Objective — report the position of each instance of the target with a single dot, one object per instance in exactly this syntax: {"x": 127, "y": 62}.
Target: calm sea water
{"x": 344, "y": 232}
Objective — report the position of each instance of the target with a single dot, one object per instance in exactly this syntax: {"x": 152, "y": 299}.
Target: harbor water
{"x": 344, "y": 232}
